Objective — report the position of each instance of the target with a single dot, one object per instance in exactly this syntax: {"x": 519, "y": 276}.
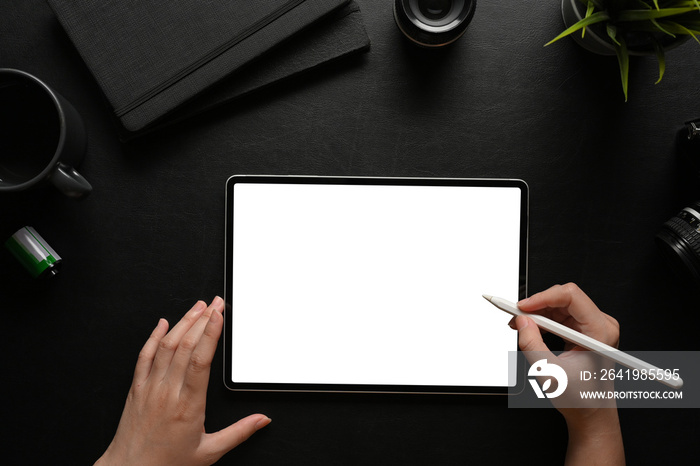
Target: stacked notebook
{"x": 160, "y": 61}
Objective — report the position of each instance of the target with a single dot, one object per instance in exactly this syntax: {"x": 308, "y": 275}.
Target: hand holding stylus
{"x": 594, "y": 433}
{"x": 580, "y": 340}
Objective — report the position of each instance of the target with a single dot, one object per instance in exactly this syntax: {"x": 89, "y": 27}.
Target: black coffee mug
{"x": 42, "y": 137}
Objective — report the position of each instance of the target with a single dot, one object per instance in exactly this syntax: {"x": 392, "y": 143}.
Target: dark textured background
{"x": 148, "y": 242}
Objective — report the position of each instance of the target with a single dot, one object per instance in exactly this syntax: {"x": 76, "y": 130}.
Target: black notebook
{"x": 340, "y": 34}
{"x": 151, "y": 58}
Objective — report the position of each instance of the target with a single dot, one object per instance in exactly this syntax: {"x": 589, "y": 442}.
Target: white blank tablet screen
{"x": 380, "y": 285}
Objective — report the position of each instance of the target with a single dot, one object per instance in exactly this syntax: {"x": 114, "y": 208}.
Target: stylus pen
{"x": 587, "y": 342}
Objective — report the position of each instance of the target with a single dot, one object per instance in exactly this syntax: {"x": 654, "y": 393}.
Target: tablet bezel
{"x": 356, "y": 388}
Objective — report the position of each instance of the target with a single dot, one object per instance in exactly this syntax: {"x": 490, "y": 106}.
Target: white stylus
{"x": 587, "y": 342}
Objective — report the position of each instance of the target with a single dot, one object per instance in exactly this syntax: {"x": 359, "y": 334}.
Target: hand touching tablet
{"x": 163, "y": 419}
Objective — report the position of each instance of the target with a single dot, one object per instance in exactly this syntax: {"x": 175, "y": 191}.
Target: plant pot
{"x": 572, "y": 12}
{"x": 596, "y": 39}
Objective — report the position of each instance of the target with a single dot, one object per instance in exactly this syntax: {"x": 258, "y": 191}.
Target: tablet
{"x": 372, "y": 284}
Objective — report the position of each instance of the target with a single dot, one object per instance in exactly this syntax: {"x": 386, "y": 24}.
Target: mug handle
{"x": 70, "y": 182}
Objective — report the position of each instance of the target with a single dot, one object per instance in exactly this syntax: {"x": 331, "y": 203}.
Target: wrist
{"x": 590, "y": 424}
{"x": 594, "y": 438}
{"x": 108, "y": 458}
{"x": 103, "y": 461}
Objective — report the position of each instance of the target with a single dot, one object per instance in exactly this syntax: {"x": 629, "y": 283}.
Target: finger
{"x": 586, "y": 316}
{"x": 511, "y": 324}
{"x": 169, "y": 343}
{"x": 550, "y": 298}
{"x": 189, "y": 342}
{"x": 219, "y": 443}
{"x": 569, "y": 297}
{"x": 569, "y": 305}
{"x": 530, "y": 340}
{"x": 606, "y": 330}
{"x": 148, "y": 352}
{"x": 196, "y": 378}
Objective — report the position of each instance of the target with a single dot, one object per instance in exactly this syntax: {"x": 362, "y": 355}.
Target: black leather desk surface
{"x": 149, "y": 241}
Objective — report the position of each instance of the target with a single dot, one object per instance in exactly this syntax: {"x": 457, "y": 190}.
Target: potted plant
{"x": 631, "y": 27}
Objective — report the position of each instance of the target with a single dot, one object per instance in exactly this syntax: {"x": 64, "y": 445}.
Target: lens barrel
{"x": 679, "y": 240}
{"x": 433, "y": 23}
{"x": 688, "y": 142}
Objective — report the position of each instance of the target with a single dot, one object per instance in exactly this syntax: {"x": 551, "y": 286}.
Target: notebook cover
{"x": 340, "y": 34}
{"x": 149, "y": 57}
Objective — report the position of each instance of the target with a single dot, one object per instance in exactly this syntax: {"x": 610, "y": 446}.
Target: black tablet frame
{"x": 354, "y": 388}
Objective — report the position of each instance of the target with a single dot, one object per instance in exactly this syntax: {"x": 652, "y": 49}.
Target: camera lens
{"x": 679, "y": 240}
{"x": 435, "y": 10}
{"x": 688, "y": 143}
{"x": 433, "y": 23}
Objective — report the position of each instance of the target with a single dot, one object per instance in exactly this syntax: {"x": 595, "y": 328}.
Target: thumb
{"x": 530, "y": 340}
{"x": 219, "y": 443}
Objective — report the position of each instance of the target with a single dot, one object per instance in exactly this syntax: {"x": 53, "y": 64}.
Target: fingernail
{"x": 262, "y": 423}
{"x": 162, "y": 325}
{"x": 523, "y": 302}
{"x": 199, "y": 307}
{"x": 215, "y": 316}
{"x": 217, "y": 302}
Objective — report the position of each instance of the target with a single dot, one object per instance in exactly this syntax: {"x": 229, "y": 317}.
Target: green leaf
{"x": 680, "y": 3}
{"x": 680, "y": 29}
{"x": 641, "y": 15}
{"x": 640, "y": 4}
{"x": 589, "y": 12}
{"x": 674, "y": 27}
{"x": 623, "y": 59}
{"x": 612, "y": 32}
{"x": 596, "y": 3}
{"x": 661, "y": 28}
{"x": 687, "y": 3}
{"x": 661, "y": 56}
{"x": 594, "y": 18}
